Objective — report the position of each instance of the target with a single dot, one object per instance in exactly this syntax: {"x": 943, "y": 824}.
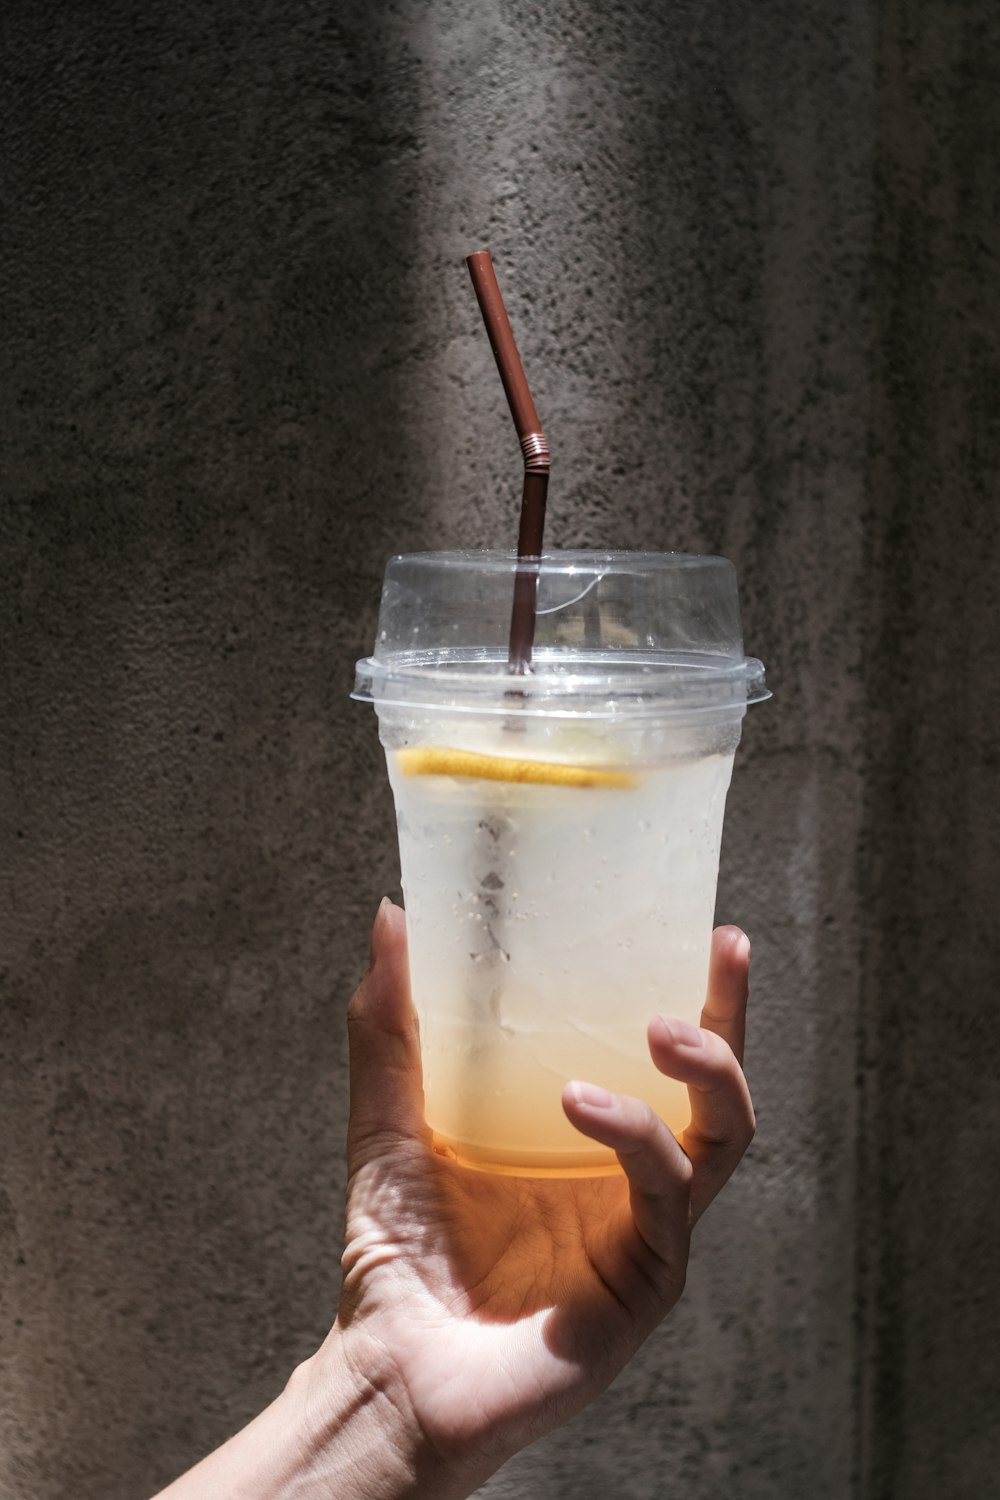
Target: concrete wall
{"x": 751, "y": 254}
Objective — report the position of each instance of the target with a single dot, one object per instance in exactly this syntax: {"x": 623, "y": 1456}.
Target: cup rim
{"x": 611, "y": 684}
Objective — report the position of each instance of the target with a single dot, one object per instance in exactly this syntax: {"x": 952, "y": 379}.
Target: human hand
{"x": 480, "y": 1311}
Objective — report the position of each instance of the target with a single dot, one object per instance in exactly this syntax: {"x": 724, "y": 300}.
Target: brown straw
{"x": 536, "y": 457}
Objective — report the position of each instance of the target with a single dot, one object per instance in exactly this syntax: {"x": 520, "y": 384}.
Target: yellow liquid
{"x": 548, "y": 923}
{"x": 497, "y": 1098}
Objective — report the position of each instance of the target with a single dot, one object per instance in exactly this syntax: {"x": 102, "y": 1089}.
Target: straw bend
{"x": 535, "y": 448}
{"x": 534, "y": 445}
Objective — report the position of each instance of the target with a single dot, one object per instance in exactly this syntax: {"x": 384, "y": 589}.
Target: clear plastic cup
{"x": 559, "y": 831}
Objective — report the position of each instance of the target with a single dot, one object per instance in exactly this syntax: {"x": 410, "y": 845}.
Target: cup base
{"x": 600, "y": 1163}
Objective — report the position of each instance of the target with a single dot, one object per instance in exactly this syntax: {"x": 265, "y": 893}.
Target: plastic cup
{"x": 559, "y": 832}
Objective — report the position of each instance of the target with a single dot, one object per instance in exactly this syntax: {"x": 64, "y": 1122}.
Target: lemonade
{"x": 550, "y": 916}
{"x": 559, "y": 828}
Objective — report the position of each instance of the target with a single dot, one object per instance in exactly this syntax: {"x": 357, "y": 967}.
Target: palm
{"x": 508, "y": 1302}
{"x": 503, "y": 1304}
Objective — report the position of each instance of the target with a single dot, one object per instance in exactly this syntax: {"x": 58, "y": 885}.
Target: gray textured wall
{"x": 752, "y": 255}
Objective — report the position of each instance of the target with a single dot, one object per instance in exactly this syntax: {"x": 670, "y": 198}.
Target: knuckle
{"x": 647, "y": 1130}
{"x": 357, "y": 1005}
{"x": 648, "y": 1125}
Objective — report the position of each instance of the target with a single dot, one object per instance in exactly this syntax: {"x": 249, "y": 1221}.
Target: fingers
{"x": 659, "y": 1174}
{"x": 722, "y": 1118}
{"x": 671, "y": 1184}
{"x": 386, "y": 1082}
{"x": 728, "y": 983}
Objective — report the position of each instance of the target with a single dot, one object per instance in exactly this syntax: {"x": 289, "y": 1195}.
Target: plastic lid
{"x": 617, "y": 634}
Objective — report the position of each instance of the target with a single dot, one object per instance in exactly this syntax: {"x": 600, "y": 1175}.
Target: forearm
{"x": 333, "y": 1434}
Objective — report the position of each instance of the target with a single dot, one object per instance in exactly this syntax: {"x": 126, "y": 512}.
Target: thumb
{"x": 387, "y": 1099}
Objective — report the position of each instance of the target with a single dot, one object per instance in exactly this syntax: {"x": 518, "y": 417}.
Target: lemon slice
{"x": 434, "y": 760}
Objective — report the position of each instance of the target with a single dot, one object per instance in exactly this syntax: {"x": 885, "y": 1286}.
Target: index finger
{"x": 725, "y": 1010}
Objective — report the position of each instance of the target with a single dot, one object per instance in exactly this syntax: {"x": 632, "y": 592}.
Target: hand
{"x": 483, "y": 1310}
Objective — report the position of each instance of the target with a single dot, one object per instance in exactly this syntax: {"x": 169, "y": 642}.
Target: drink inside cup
{"x": 559, "y": 846}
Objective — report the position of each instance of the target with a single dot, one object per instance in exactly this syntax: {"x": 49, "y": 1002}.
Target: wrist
{"x": 360, "y": 1434}
{"x": 338, "y": 1431}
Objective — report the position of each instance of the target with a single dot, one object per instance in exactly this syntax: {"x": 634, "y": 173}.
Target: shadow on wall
{"x": 194, "y": 896}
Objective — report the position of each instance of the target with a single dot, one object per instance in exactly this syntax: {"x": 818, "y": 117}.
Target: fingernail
{"x": 682, "y": 1033}
{"x": 591, "y": 1096}
{"x": 377, "y": 925}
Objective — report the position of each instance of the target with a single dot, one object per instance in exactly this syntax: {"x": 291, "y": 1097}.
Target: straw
{"x": 536, "y": 458}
